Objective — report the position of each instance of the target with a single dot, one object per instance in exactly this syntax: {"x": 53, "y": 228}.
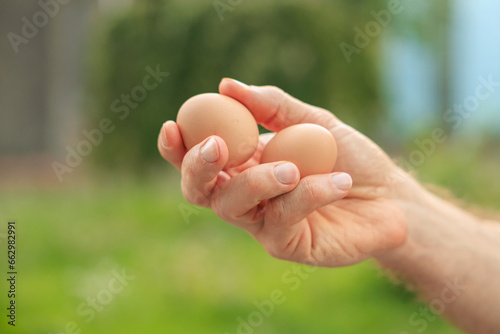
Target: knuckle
{"x": 276, "y": 90}
{"x": 193, "y": 196}
{"x": 200, "y": 200}
{"x": 277, "y": 209}
{"x": 273, "y": 250}
{"x": 281, "y": 98}
{"x": 219, "y": 208}
{"x": 187, "y": 171}
{"x": 252, "y": 183}
{"x": 187, "y": 179}
{"x": 273, "y": 253}
{"x": 309, "y": 190}
{"x": 285, "y": 110}
{"x": 277, "y": 252}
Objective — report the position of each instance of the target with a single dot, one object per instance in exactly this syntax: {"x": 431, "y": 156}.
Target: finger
{"x": 274, "y": 108}
{"x": 238, "y": 201}
{"x": 170, "y": 144}
{"x": 313, "y": 192}
{"x": 201, "y": 170}
{"x": 283, "y": 213}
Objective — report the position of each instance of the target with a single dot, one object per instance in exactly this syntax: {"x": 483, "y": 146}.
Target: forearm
{"x": 451, "y": 258}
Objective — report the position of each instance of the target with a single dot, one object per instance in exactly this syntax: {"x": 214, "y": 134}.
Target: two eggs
{"x": 310, "y": 147}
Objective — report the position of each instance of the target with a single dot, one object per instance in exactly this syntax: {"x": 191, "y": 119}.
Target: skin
{"x": 445, "y": 253}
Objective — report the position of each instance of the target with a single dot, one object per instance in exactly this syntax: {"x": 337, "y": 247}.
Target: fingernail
{"x": 343, "y": 181}
{"x": 210, "y": 151}
{"x": 239, "y": 83}
{"x": 164, "y": 139}
{"x": 286, "y": 173}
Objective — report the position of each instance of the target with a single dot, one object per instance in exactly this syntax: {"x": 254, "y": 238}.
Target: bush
{"x": 291, "y": 45}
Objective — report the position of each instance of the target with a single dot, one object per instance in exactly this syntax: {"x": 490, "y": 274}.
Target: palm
{"x": 346, "y": 232}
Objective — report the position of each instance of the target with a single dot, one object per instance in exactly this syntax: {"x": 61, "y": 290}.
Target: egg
{"x": 211, "y": 114}
{"x": 310, "y": 147}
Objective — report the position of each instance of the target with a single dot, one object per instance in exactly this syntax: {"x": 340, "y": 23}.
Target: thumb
{"x": 275, "y": 109}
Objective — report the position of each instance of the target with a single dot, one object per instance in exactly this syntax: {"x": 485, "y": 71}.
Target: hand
{"x": 318, "y": 220}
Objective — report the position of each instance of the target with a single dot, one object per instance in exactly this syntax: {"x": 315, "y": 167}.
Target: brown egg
{"x": 211, "y": 114}
{"x": 310, "y": 147}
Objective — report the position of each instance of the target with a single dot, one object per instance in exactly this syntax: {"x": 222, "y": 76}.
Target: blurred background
{"x": 107, "y": 244}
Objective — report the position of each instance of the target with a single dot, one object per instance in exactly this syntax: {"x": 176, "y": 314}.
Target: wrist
{"x": 435, "y": 228}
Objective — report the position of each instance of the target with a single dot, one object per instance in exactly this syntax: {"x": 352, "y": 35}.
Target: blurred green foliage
{"x": 290, "y": 44}
{"x": 189, "y": 276}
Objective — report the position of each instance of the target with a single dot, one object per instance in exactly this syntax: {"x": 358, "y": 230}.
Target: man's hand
{"x": 317, "y": 220}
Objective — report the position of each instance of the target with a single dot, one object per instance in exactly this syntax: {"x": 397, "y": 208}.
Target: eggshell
{"x": 310, "y": 147}
{"x": 211, "y": 114}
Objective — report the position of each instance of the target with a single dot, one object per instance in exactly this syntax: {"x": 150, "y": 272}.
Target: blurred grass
{"x": 195, "y": 277}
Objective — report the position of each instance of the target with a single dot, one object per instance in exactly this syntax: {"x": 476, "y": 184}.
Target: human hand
{"x": 317, "y": 220}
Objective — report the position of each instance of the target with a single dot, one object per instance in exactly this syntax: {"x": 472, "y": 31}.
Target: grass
{"x": 196, "y": 276}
